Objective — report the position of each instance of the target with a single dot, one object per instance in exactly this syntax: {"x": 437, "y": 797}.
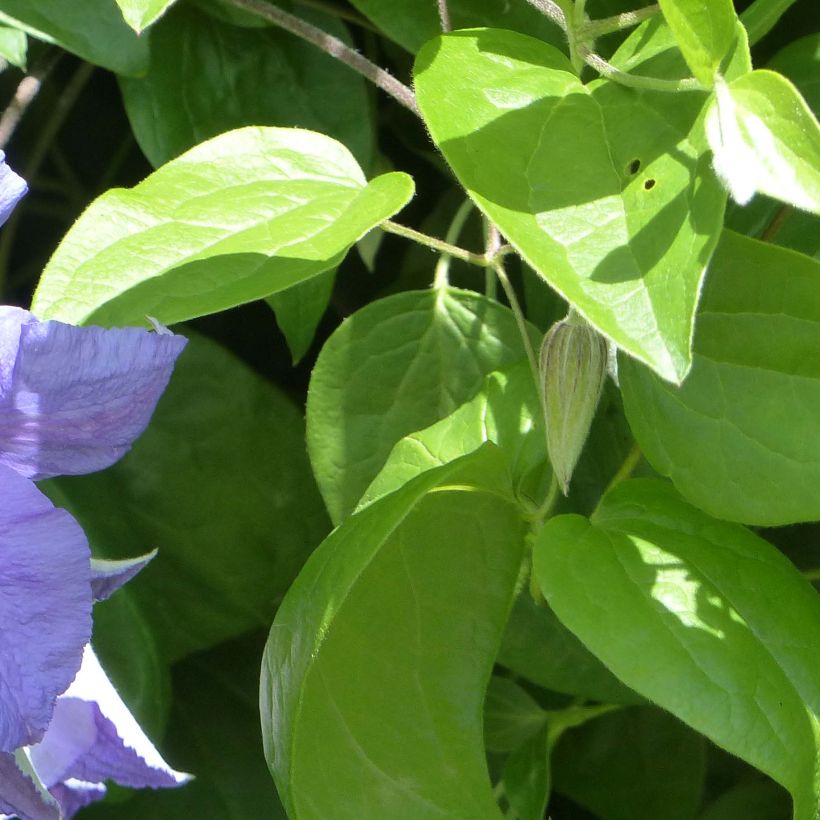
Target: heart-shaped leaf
{"x": 244, "y": 215}
{"x": 604, "y": 190}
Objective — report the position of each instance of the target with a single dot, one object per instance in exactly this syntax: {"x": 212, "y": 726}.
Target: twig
{"x": 609, "y": 71}
{"x": 334, "y": 47}
{"x": 24, "y": 96}
{"x": 444, "y": 16}
{"x": 436, "y": 244}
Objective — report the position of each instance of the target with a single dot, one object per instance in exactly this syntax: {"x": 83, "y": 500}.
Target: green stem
{"x": 626, "y": 469}
{"x": 441, "y": 278}
{"x": 515, "y": 306}
{"x": 773, "y": 228}
{"x": 609, "y": 71}
{"x": 812, "y": 574}
{"x": 471, "y": 258}
{"x": 593, "y": 29}
{"x": 334, "y": 47}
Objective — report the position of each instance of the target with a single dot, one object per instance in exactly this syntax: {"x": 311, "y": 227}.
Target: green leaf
{"x": 92, "y": 29}
{"x": 217, "y": 70}
{"x": 526, "y": 777}
{"x": 244, "y": 215}
{"x": 741, "y": 437}
{"x": 762, "y": 16}
{"x": 374, "y": 674}
{"x": 765, "y": 138}
{"x": 139, "y": 14}
{"x": 14, "y": 46}
{"x": 394, "y": 367}
{"x": 624, "y": 234}
{"x": 704, "y": 30}
{"x": 688, "y": 611}
{"x": 214, "y": 735}
{"x": 411, "y": 24}
{"x": 300, "y": 309}
{"x": 511, "y": 716}
{"x": 219, "y": 483}
{"x": 751, "y": 801}
{"x": 633, "y": 764}
{"x": 539, "y": 648}
{"x": 505, "y": 411}
{"x": 800, "y": 62}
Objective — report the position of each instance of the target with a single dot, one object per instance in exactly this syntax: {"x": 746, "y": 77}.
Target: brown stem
{"x": 24, "y": 96}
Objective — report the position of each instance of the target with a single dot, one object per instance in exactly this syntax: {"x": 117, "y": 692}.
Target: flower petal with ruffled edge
{"x": 20, "y": 796}
{"x": 93, "y": 737}
{"x": 73, "y": 399}
{"x": 12, "y": 189}
{"x": 45, "y": 607}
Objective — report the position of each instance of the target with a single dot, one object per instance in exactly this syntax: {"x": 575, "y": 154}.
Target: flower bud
{"x": 573, "y": 368}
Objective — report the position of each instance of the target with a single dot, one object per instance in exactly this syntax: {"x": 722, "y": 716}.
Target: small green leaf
{"x": 91, "y": 29}
{"x": 244, "y": 215}
{"x": 218, "y": 71}
{"x": 220, "y": 484}
{"x": 511, "y": 715}
{"x": 762, "y": 16}
{"x": 741, "y": 437}
{"x": 765, "y": 138}
{"x": 632, "y": 764}
{"x": 704, "y": 31}
{"x": 688, "y": 611}
{"x": 393, "y": 368}
{"x": 139, "y": 14}
{"x": 505, "y": 411}
{"x": 300, "y": 309}
{"x": 374, "y": 674}
{"x": 526, "y": 777}
{"x": 606, "y": 193}
{"x": 14, "y": 46}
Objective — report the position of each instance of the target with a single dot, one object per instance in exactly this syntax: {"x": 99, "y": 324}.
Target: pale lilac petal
{"x": 74, "y": 795}
{"x": 20, "y": 797}
{"x": 108, "y": 576}
{"x": 73, "y": 399}
{"x": 45, "y": 607}
{"x": 12, "y": 189}
{"x": 93, "y": 737}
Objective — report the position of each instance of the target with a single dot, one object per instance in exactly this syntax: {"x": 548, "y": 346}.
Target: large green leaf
{"x": 374, "y": 674}
{"x": 605, "y": 191}
{"x": 412, "y": 23}
{"x": 214, "y": 735}
{"x": 139, "y": 14}
{"x": 765, "y": 138}
{"x": 220, "y": 484}
{"x": 704, "y": 30}
{"x": 395, "y": 367}
{"x": 505, "y": 411}
{"x": 91, "y": 29}
{"x": 242, "y": 216}
{"x": 216, "y": 71}
{"x": 741, "y": 437}
{"x": 632, "y": 764}
{"x": 689, "y": 611}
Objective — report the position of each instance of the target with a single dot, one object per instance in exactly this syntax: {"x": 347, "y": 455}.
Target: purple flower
{"x": 72, "y": 400}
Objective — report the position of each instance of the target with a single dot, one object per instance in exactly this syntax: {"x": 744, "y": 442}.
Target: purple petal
{"x": 73, "y": 399}
{"x": 74, "y": 795}
{"x": 93, "y": 737}
{"x": 20, "y": 797}
{"x": 45, "y": 607}
{"x": 108, "y": 576}
{"x": 12, "y": 189}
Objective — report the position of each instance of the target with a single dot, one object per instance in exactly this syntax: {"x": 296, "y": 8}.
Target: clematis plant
{"x": 72, "y": 400}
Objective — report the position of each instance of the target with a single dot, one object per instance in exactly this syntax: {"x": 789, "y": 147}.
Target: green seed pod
{"x": 573, "y": 368}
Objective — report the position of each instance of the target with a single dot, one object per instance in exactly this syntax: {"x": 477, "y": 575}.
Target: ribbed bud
{"x": 573, "y": 368}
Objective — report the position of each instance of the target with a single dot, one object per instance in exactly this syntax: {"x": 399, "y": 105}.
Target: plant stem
{"x": 592, "y": 29}
{"x": 334, "y": 47}
{"x": 24, "y": 96}
{"x": 436, "y": 244}
{"x": 812, "y": 574}
{"x": 552, "y": 10}
{"x": 515, "y": 306}
{"x": 773, "y": 228}
{"x": 609, "y": 71}
{"x": 441, "y": 277}
{"x": 444, "y": 16}
{"x": 626, "y": 469}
